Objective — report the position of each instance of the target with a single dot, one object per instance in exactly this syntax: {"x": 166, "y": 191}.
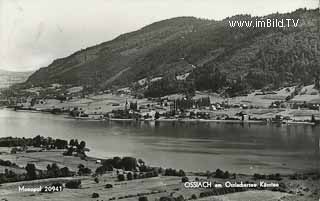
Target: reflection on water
{"x": 245, "y": 148}
{"x": 317, "y": 148}
{"x": 317, "y": 143}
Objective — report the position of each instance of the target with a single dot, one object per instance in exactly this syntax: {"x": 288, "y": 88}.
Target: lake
{"x": 240, "y": 148}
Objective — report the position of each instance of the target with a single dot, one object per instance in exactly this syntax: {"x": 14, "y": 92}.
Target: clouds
{"x": 34, "y": 32}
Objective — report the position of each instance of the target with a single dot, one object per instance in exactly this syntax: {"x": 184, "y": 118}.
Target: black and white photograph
{"x": 159, "y": 100}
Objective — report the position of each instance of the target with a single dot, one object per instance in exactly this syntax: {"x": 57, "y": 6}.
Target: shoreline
{"x": 261, "y": 122}
{"x": 186, "y": 120}
{"x": 54, "y": 156}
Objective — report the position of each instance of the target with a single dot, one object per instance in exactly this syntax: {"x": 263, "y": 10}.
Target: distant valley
{"x": 8, "y": 78}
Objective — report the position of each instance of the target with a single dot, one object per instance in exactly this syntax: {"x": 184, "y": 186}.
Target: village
{"x": 290, "y": 105}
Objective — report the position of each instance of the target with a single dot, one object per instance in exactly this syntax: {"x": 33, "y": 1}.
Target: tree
{"x": 134, "y": 106}
{"x": 33, "y": 102}
{"x": 169, "y": 85}
{"x": 226, "y": 175}
{"x": 143, "y": 198}
{"x": 180, "y": 198}
{"x": 116, "y": 162}
{"x": 135, "y": 175}
{"x": 141, "y": 162}
{"x": 181, "y": 173}
{"x": 103, "y": 169}
{"x": 121, "y": 177}
{"x": 82, "y": 145}
{"x": 157, "y": 115}
{"x": 72, "y": 143}
{"x": 31, "y": 171}
{"x": 219, "y": 173}
{"x": 37, "y": 141}
{"x": 258, "y": 80}
{"x": 53, "y": 170}
{"x": 210, "y": 78}
{"x": 61, "y": 144}
{"x": 65, "y": 172}
{"x": 129, "y": 163}
{"x": 129, "y": 176}
{"x": 69, "y": 151}
{"x": 76, "y": 143}
{"x": 317, "y": 83}
{"x": 82, "y": 170}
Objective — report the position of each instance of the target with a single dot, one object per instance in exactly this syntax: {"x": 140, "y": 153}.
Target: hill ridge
{"x": 171, "y": 46}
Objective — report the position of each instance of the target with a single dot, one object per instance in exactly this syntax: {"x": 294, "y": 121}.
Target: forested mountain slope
{"x": 216, "y": 55}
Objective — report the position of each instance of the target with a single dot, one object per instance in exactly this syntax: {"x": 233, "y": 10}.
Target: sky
{"x": 35, "y": 32}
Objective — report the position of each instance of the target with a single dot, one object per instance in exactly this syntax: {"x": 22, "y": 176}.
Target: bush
{"x": 193, "y": 197}
{"x": 184, "y": 179}
{"x": 180, "y": 198}
{"x": 95, "y": 195}
{"x": 108, "y": 186}
{"x": 84, "y": 170}
{"x": 73, "y": 184}
{"x": 96, "y": 180}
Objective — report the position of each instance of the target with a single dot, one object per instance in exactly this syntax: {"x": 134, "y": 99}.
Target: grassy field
{"x": 42, "y": 159}
{"x": 153, "y": 188}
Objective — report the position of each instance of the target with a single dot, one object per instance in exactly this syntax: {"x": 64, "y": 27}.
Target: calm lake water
{"x": 246, "y": 148}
